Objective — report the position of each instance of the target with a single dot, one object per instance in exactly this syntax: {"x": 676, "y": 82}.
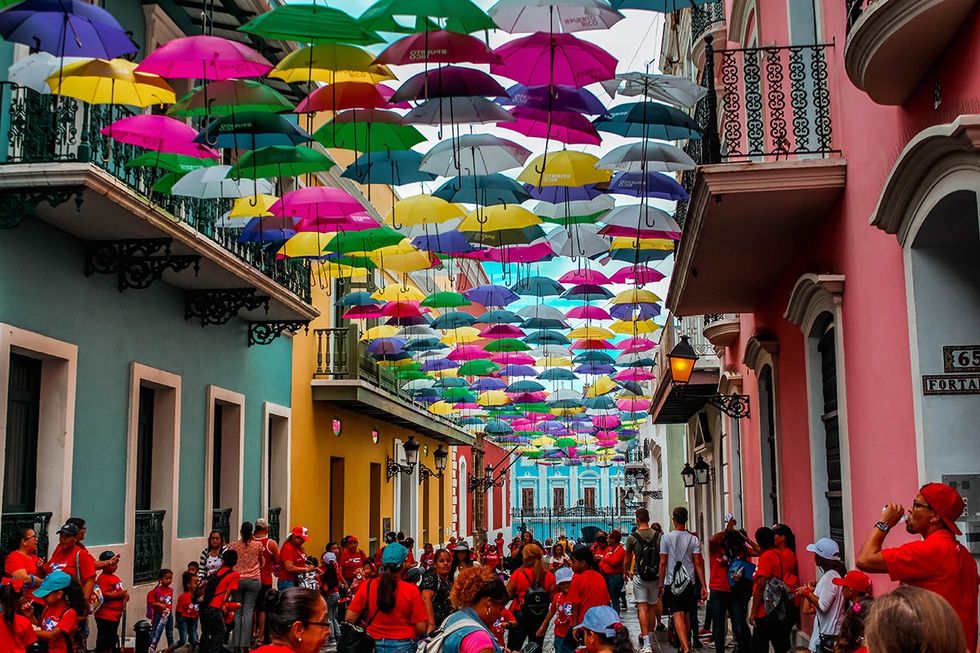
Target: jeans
{"x": 213, "y": 630}
{"x": 561, "y": 646}
{"x": 168, "y": 627}
{"x": 769, "y": 630}
{"x": 246, "y": 594}
{"x": 186, "y": 631}
{"x": 614, "y": 583}
{"x": 723, "y": 605}
{"x": 286, "y": 584}
{"x": 526, "y": 629}
{"x": 332, "y": 601}
{"x": 395, "y": 646}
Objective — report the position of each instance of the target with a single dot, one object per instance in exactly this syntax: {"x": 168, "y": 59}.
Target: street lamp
{"x": 688, "y": 475}
{"x": 701, "y": 471}
{"x": 439, "y": 456}
{"x": 682, "y": 359}
{"x": 395, "y": 468}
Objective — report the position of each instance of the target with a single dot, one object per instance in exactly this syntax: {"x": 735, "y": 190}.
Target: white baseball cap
{"x": 825, "y": 548}
{"x": 563, "y": 575}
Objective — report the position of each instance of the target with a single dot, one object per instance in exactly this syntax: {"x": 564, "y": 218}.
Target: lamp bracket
{"x": 425, "y": 473}
{"x": 394, "y": 468}
{"x": 734, "y": 405}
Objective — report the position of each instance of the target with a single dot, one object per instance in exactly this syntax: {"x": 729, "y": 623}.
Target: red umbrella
{"x": 348, "y": 95}
{"x": 439, "y": 46}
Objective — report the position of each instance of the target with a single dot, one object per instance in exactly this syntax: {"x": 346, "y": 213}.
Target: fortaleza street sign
{"x": 956, "y": 360}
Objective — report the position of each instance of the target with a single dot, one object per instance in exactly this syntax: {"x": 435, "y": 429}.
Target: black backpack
{"x": 647, "y": 557}
{"x": 204, "y": 592}
{"x": 537, "y": 601}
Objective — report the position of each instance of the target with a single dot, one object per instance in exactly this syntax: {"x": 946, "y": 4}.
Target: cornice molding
{"x": 811, "y": 290}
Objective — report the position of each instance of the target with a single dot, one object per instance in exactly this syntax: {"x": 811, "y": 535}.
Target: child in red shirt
{"x": 505, "y": 621}
{"x": 63, "y": 602}
{"x": 561, "y": 610}
{"x": 16, "y": 631}
{"x": 114, "y": 598}
{"x": 187, "y": 611}
{"x": 160, "y": 600}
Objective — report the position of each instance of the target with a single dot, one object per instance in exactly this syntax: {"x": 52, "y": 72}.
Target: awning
{"x": 677, "y": 404}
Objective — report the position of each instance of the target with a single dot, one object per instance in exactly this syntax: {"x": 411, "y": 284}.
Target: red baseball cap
{"x": 855, "y": 580}
{"x": 300, "y": 532}
{"x": 947, "y": 503}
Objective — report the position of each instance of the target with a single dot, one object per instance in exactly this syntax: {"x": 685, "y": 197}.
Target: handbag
{"x": 353, "y": 638}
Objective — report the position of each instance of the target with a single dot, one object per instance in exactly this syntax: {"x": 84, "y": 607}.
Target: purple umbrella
{"x": 651, "y": 184}
{"x": 438, "y": 364}
{"x": 628, "y": 311}
{"x": 268, "y": 230}
{"x": 450, "y": 242}
{"x": 555, "y": 98}
{"x": 485, "y": 383}
{"x": 562, "y": 194}
{"x": 448, "y": 81}
{"x": 552, "y": 427}
{"x": 491, "y": 295}
{"x": 518, "y": 370}
{"x": 595, "y": 368}
{"x": 563, "y": 126}
{"x": 69, "y": 28}
{"x": 381, "y": 346}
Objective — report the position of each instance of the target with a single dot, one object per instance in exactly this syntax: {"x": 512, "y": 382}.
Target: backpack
{"x": 680, "y": 580}
{"x": 648, "y": 558}
{"x": 777, "y": 596}
{"x": 448, "y": 640}
{"x": 740, "y": 572}
{"x": 537, "y": 601}
{"x": 204, "y": 592}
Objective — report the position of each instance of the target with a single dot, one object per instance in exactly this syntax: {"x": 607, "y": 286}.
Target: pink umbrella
{"x": 635, "y": 345}
{"x": 638, "y": 274}
{"x": 210, "y": 58}
{"x": 469, "y": 405}
{"x": 512, "y": 358}
{"x": 467, "y": 353}
{"x": 634, "y": 374}
{"x": 563, "y": 126}
{"x": 532, "y": 253}
{"x": 402, "y": 309}
{"x": 318, "y": 202}
{"x": 436, "y": 46}
{"x": 498, "y": 331}
{"x": 588, "y": 312}
{"x": 332, "y": 224}
{"x": 633, "y": 232}
{"x": 543, "y": 58}
{"x": 160, "y": 134}
{"x": 633, "y": 405}
{"x": 585, "y": 275}
{"x": 362, "y": 312}
{"x": 606, "y": 421}
{"x": 607, "y": 435}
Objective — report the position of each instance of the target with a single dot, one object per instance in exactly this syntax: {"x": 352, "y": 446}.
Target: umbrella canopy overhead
{"x": 204, "y": 57}
{"x": 310, "y": 23}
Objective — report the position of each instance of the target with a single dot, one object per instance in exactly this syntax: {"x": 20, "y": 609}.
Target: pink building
{"x": 832, "y": 244}
{"x": 477, "y": 511}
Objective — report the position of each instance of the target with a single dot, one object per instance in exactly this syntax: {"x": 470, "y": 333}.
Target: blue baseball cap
{"x": 601, "y": 619}
{"x": 56, "y": 580}
{"x": 394, "y": 554}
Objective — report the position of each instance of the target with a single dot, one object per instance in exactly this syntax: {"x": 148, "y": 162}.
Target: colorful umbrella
{"x": 553, "y": 98}
{"x": 447, "y": 82}
{"x": 371, "y": 135}
{"x": 214, "y": 182}
{"x": 483, "y": 190}
{"x": 563, "y": 126}
{"x": 309, "y": 23}
{"x": 66, "y": 28}
{"x": 516, "y": 16}
{"x": 544, "y": 58}
{"x": 158, "y": 133}
{"x": 457, "y": 111}
{"x": 249, "y": 130}
{"x": 171, "y": 162}
{"x": 228, "y": 96}
{"x": 330, "y": 63}
{"x": 33, "y": 70}
{"x": 395, "y": 168}
{"x": 565, "y": 168}
{"x": 345, "y": 95}
{"x": 474, "y": 154}
{"x": 649, "y": 184}
{"x": 647, "y": 156}
{"x": 204, "y": 57}
{"x": 280, "y": 161}
{"x": 462, "y": 16}
{"x": 110, "y": 82}
{"x": 649, "y": 120}
{"x": 437, "y": 46}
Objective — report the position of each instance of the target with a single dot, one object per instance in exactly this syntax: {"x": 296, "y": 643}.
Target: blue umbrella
{"x": 485, "y": 383}
{"x": 553, "y": 98}
{"x": 439, "y": 364}
{"x": 491, "y": 294}
{"x": 359, "y": 298}
{"x": 396, "y": 168}
{"x": 525, "y": 386}
{"x": 425, "y": 344}
{"x": 267, "y": 230}
{"x": 562, "y": 194}
{"x": 547, "y": 338}
{"x": 595, "y": 368}
{"x": 649, "y": 120}
{"x": 450, "y": 382}
{"x": 603, "y": 402}
{"x": 593, "y": 356}
{"x": 544, "y": 323}
{"x": 250, "y": 130}
{"x": 69, "y": 28}
{"x": 500, "y": 316}
{"x": 538, "y": 287}
{"x": 453, "y": 320}
{"x": 485, "y": 190}
{"x": 518, "y": 370}
{"x": 450, "y": 242}
{"x": 498, "y": 427}
{"x": 642, "y": 311}
{"x": 587, "y": 292}
{"x": 558, "y": 374}
{"x": 650, "y": 184}
{"x": 381, "y": 346}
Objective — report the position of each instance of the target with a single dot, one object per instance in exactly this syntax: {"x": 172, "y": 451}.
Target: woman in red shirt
{"x": 352, "y": 558}
{"x": 393, "y": 609}
{"x": 22, "y": 562}
{"x": 532, "y": 574}
{"x": 588, "y": 588}
{"x": 297, "y": 619}
{"x": 16, "y": 631}
{"x": 612, "y": 566}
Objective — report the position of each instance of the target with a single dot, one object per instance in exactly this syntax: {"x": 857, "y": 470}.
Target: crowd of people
{"x": 254, "y": 594}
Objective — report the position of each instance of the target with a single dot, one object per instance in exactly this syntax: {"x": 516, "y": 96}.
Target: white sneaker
{"x": 646, "y": 649}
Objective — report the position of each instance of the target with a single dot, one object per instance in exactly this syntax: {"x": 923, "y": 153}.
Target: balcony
{"x": 148, "y": 548}
{"x": 721, "y": 329}
{"x": 706, "y": 20}
{"x": 768, "y": 142}
{"x": 57, "y": 167}
{"x": 346, "y": 376}
{"x": 891, "y": 44}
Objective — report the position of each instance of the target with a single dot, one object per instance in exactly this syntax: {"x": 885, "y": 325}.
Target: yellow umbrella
{"x": 493, "y": 398}
{"x": 305, "y": 244}
{"x": 398, "y": 293}
{"x": 380, "y": 331}
{"x": 603, "y": 385}
{"x": 461, "y": 336}
{"x": 591, "y": 333}
{"x": 636, "y": 296}
{"x": 253, "y": 206}
{"x": 442, "y": 374}
{"x": 543, "y": 441}
{"x": 634, "y": 327}
{"x": 422, "y": 209}
{"x": 333, "y": 270}
{"x": 565, "y": 168}
{"x": 441, "y": 408}
{"x": 331, "y": 63}
{"x": 625, "y": 242}
{"x": 499, "y": 217}
{"x": 114, "y": 81}
{"x": 401, "y": 259}
{"x": 564, "y": 412}
{"x": 554, "y": 361}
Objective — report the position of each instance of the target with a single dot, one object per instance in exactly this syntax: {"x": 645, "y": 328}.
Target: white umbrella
{"x": 474, "y": 154}
{"x": 516, "y": 16}
{"x": 649, "y": 156}
{"x": 547, "y": 351}
{"x": 457, "y": 111}
{"x": 419, "y": 384}
{"x": 579, "y": 240}
{"x": 34, "y": 70}
{"x": 640, "y": 216}
{"x": 213, "y": 182}
{"x": 564, "y": 210}
{"x": 418, "y": 331}
{"x": 565, "y": 394}
{"x": 672, "y": 89}
{"x": 542, "y": 311}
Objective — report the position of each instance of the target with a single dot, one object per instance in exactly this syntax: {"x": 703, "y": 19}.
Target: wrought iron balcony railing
{"x": 704, "y": 17}
{"x": 854, "y": 10}
{"x": 221, "y": 522}
{"x": 148, "y": 549}
{"x": 37, "y": 521}
{"x": 274, "y": 516}
{"x": 36, "y": 128}
{"x": 597, "y": 513}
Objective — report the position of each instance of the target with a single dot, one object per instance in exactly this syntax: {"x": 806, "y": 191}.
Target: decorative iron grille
{"x": 704, "y": 17}
{"x": 274, "y": 515}
{"x": 221, "y": 522}
{"x": 38, "y": 521}
{"x": 148, "y": 550}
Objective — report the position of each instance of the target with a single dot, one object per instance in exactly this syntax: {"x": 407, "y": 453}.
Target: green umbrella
{"x": 445, "y": 300}
{"x": 227, "y": 96}
{"x": 507, "y": 344}
{"x": 565, "y": 443}
{"x": 479, "y": 367}
{"x": 310, "y": 23}
{"x": 460, "y": 16}
{"x": 368, "y": 136}
{"x": 535, "y": 407}
{"x": 411, "y": 375}
{"x": 279, "y": 161}
{"x": 458, "y": 395}
{"x": 367, "y": 240}
{"x": 164, "y": 185}
{"x": 573, "y": 219}
{"x": 169, "y": 162}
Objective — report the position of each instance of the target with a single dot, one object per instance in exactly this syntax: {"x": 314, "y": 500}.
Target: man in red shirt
{"x": 938, "y": 562}
{"x": 292, "y": 558}
{"x": 612, "y": 565}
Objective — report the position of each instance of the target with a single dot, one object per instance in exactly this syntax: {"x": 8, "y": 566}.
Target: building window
{"x": 144, "y": 448}
{"x": 558, "y": 499}
{"x": 770, "y": 460}
{"x": 225, "y": 435}
{"x": 588, "y": 495}
{"x": 23, "y": 417}
{"x": 830, "y": 419}
{"x": 527, "y": 498}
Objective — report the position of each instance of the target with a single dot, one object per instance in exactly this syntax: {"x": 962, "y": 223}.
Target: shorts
{"x": 646, "y": 591}
{"x": 683, "y": 602}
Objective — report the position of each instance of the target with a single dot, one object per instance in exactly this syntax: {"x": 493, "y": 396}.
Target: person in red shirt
{"x": 560, "y": 611}
{"x": 297, "y": 622}
{"x": 506, "y": 621}
{"x": 428, "y": 557}
{"x": 22, "y": 562}
{"x": 63, "y": 602}
{"x": 187, "y": 611}
{"x": 73, "y": 559}
{"x": 588, "y": 587}
{"x": 499, "y": 544}
{"x": 292, "y": 558}
{"x": 533, "y": 573}
{"x": 489, "y": 556}
{"x": 393, "y": 609}
{"x": 16, "y": 630}
{"x": 220, "y": 586}
{"x": 352, "y": 558}
{"x": 938, "y": 562}
{"x": 600, "y": 546}
{"x": 160, "y": 600}
{"x": 114, "y": 598}
{"x": 612, "y": 566}
{"x": 768, "y": 629}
